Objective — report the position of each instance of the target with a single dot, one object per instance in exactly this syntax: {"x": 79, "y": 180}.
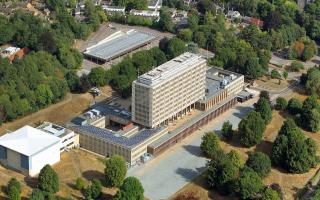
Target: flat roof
{"x": 28, "y": 140}
{"x": 54, "y": 129}
{"x": 118, "y": 44}
{"x": 105, "y": 134}
{"x": 187, "y": 124}
{"x": 170, "y": 69}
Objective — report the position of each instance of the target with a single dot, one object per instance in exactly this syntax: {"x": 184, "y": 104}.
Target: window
{"x": 24, "y": 161}
{"x": 3, "y": 152}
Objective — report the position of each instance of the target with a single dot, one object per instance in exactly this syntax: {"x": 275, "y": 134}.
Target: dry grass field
{"x": 58, "y": 113}
{"x": 73, "y": 164}
{"x": 290, "y": 183}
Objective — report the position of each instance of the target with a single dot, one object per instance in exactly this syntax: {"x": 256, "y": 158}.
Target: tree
{"x": 37, "y": 195}
{"x": 292, "y": 151}
{"x": 165, "y": 22}
{"x": 263, "y": 107}
{"x": 185, "y": 34}
{"x": 249, "y": 184}
{"x": 311, "y": 120}
{"x": 251, "y": 129}
{"x": 175, "y": 48}
{"x": 210, "y": 144}
{"x": 14, "y": 189}
{"x": 115, "y": 171}
{"x": 270, "y": 194}
{"x": 275, "y": 74}
{"x": 73, "y": 81}
{"x": 281, "y": 103}
{"x": 96, "y": 188}
{"x": 285, "y": 74}
{"x": 294, "y": 106}
{"x": 313, "y": 81}
{"x": 48, "y": 180}
{"x": 260, "y": 163}
{"x": 223, "y": 170}
{"x": 131, "y": 189}
{"x": 80, "y": 183}
{"x": 97, "y": 76}
{"x": 264, "y": 94}
{"x": 227, "y": 131}
{"x": 296, "y": 66}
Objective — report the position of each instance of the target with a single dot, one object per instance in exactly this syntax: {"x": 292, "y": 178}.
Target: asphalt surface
{"x": 166, "y": 174}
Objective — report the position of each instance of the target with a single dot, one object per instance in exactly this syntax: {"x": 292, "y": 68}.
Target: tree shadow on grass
{"x": 31, "y": 181}
{"x": 264, "y": 147}
{"x": 93, "y": 174}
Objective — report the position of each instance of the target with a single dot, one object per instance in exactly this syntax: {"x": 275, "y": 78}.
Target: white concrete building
{"x": 69, "y": 139}
{"x": 28, "y": 150}
{"x": 168, "y": 91}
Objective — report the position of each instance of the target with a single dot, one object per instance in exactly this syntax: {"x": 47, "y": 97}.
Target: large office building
{"x": 168, "y": 91}
{"x": 29, "y": 149}
{"x": 129, "y": 141}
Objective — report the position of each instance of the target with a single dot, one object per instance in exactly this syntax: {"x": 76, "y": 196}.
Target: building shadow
{"x": 190, "y": 174}
{"x": 31, "y": 181}
{"x": 194, "y": 150}
{"x": 93, "y": 174}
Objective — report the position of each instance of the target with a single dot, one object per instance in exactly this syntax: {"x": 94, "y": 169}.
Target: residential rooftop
{"x": 170, "y": 69}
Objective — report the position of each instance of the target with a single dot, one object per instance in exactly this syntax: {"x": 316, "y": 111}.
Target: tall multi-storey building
{"x": 168, "y": 91}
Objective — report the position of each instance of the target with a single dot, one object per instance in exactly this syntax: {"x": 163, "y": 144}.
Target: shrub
{"x": 260, "y": 163}
{"x": 227, "y": 131}
{"x": 80, "y": 183}
{"x": 14, "y": 189}
{"x": 210, "y": 144}
{"x": 251, "y": 129}
{"x": 48, "y": 180}
{"x": 115, "y": 171}
{"x": 294, "y": 106}
{"x": 296, "y": 66}
{"x": 281, "y": 103}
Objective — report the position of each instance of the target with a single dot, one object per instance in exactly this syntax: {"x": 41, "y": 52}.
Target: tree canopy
{"x": 48, "y": 180}
{"x": 115, "y": 171}
{"x": 251, "y": 129}
{"x": 131, "y": 189}
{"x": 210, "y": 144}
{"x": 260, "y": 163}
{"x": 292, "y": 151}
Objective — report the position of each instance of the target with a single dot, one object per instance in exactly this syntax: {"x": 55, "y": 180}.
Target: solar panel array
{"x": 118, "y": 46}
{"x": 109, "y": 135}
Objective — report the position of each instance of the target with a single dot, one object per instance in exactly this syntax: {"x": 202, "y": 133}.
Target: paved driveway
{"x": 169, "y": 172}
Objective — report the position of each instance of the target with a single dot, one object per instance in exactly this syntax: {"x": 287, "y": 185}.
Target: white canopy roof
{"x": 28, "y": 140}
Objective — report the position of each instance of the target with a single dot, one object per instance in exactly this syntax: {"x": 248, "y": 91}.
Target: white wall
{"x": 49, "y": 156}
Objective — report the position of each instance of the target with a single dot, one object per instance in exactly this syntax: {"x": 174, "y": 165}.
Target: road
{"x": 166, "y": 174}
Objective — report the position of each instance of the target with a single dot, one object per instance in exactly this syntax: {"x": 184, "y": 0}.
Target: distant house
{"x": 146, "y": 13}
{"x": 13, "y": 52}
{"x": 114, "y": 9}
{"x": 233, "y": 15}
{"x": 253, "y": 21}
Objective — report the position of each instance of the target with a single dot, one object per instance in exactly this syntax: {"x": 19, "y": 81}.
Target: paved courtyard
{"x": 169, "y": 172}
